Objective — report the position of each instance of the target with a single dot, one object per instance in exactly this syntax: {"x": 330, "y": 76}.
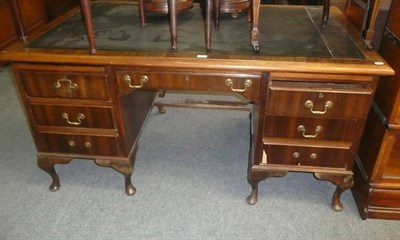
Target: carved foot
{"x": 161, "y": 109}
{"x": 347, "y": 182}
{"x": 254, "y": 39}
{"x": 253, "y": 197}
{"x": 255, "y": 46}
{"x": 47, "y": 165}
{"x": 161, "y": 93}
{"x": 368, "y": 45}
{"x": 343, "y": 182}
{"x": 129, "y": 188}
{"x": 55, "y": 185}
{"x": 336, "y": 204}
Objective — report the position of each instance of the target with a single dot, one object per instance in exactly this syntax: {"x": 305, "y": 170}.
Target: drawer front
{"x": 305, "y": 156}
{"x": 79, "y": 144}
{"x": 65, "y": 84}
{"x": 310, "y": 128}
{"x": 244, "y": 84}
{"x": 321, "y": 102}
{"x": 385, "y": 198}
{"x": 73, "y": 116}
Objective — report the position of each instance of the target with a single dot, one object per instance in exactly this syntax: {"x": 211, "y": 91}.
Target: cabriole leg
{"x": 254, "y": 178}
{"x": 253, "y": 197}
{"x": 47, "y": 165}
{"x": 347, "y": 183}
{"x": 343, "y": 182}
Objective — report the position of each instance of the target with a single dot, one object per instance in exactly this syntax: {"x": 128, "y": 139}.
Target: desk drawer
{"x": 309, "y": 99}
{"x": 245, "y": 84}
{"x": 385, "y": 198}
{"x": 79, "y": 144}
{"x": 73, "y": 116}
{"x": 306, "y": 156}
{"x": 59, "y": 82}
{"x": 310, "y": 128}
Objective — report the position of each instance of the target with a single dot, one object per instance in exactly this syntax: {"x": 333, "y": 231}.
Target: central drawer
{"x": 245, "y": 84}
{"x": 73, "y": 116}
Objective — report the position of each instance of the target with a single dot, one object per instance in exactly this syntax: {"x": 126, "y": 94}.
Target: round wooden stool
{"x": 234, "y": 7}
{"x": 170, "y": 7}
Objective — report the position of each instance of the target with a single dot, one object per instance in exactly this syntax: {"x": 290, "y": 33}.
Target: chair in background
{"x": 233, "y": 7}
{"x": 325, "y": 3}
{"x": 170, "y": 7}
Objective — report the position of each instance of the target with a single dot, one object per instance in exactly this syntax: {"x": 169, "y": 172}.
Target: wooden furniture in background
{"x": 56, "y": 8}
{"x": 161, "y": 6}
{"x": 9, "y": 33}
{"x": 377, "y": 173}
{"x": 233, "y": 7}
{"x": 357, "y": 12}
{"x": 211, "y": 8}
{"x": 19, "y": 18}
{"x": 170, "y": 7}
{"x": 33, "y": 14}
{"x": 369, "y": 16}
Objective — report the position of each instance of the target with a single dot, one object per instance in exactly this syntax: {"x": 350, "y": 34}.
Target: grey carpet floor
{"x": 191, "y": 184}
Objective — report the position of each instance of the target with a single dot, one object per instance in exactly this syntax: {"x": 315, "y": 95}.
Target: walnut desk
{"x": 309, "y": 88}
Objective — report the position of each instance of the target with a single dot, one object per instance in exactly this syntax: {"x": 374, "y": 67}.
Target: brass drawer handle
{"x": 313, "y": 156}
{"x": 71, "y": 84}
{"x": 143, "y": 79}
{"x": 80, "y": 117}
{"x": 309, "y": 104}
{"x": 247, "y": 84}
{"x": 302, "y": 129}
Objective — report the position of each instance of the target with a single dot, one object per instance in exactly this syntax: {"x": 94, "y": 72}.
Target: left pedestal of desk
{"x": 75, "y": 112}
